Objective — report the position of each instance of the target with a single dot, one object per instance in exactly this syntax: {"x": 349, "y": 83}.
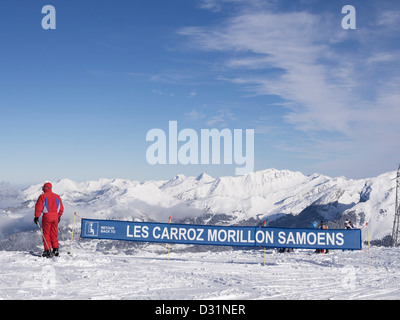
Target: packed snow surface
{"x": 118, "y": 270}
{"x": 228, "y": 274}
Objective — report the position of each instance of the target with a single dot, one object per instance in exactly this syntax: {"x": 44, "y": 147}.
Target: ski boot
{"x": 55, "y": 252}
{"x": 47, "y": 254}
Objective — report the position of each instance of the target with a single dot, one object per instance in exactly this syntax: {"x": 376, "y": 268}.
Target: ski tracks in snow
{"x": 203, "y": 275}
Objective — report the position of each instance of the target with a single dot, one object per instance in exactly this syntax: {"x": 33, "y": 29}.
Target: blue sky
{"x": 77, "y": 102}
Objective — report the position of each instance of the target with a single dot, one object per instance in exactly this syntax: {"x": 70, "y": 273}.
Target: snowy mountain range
{"x": 281, "y": 197}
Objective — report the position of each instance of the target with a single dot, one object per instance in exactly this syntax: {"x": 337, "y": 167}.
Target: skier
{"x": 52, "y": 207}
{"x": 322, "y": 225}
{"x": 348, "y": 224}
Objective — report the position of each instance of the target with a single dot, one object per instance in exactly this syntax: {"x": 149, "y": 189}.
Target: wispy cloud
{"x": 329, "y": 79}
{"x": 294, "y": 50}
{"x": 195, "y": 115}
{"x": 389, "y": 19}
{"x": 221, "y": 119}
{"x": 192, "y": 94}
{"x": 315, "y": 76}
{"x": 163, "y": 93}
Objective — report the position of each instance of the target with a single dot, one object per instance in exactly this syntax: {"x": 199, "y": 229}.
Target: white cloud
{"x": 329, "y": 79}
{"x": 317, "y": 80}
{"x": 169, "y": 77}
{"x": 221, "y": 119}
{"x": 163, "y": 93}
{"x": 195, "y": 115}
{"x": 389, "y": 19}
{"x": 192, "y": 94}
{"x": 291, "y": 42}
{"x": 380, "y": 57}
{"x": 218, "y": 5}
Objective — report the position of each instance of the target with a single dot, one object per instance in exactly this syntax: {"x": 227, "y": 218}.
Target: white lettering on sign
{"x": 107, "y": 229}
{"x": 231, "y": 236}
{"x": 138, "y": 232}
{"x": 180, "y": 234}
{"x": 310, "y": 238}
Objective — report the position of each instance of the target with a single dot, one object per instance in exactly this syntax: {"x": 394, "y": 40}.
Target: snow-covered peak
{"x": 204, "y": 177}
{"x": 272, "y": 195}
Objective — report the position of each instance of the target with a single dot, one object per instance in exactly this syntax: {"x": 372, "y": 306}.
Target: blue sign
{"x": 222, "y": 235}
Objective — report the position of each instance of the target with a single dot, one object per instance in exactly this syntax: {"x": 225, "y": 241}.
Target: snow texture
{"x": 101, "y": 269}
{"x": 283, "y": 198}
{"x": 228, "y": 274}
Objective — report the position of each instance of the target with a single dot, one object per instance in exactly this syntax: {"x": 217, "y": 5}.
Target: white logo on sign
{"x": 92, "y": 229}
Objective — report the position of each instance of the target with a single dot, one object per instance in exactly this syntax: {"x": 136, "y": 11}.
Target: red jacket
{"x": 49, "y": 202}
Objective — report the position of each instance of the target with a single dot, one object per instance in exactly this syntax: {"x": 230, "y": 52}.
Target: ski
{"x": 35, "y": 254}
{"x": 43, "y": 255}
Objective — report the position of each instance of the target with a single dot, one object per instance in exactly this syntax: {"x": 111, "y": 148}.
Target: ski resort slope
{"x": 226, "y": 275}
{"x": 282, "y": 198}
{"x": 121, "y": 270}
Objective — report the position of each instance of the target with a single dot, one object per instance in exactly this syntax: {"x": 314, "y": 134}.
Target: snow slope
{"x": 88, "y": 274}
{"x": 100, "y": 269}
{"x": 282, "y": 197}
